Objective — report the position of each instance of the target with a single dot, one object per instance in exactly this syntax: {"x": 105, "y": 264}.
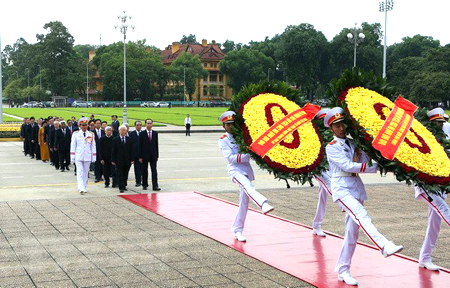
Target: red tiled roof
{"x": 209, "y": 52}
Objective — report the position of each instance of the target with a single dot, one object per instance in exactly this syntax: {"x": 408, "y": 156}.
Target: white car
{"x": 162, "y": 104}
{"x": 148, "y": 104}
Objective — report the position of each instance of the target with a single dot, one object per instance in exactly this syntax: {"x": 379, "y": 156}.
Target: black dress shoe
{"x": 157, "y": 189}
{"x": 97, "y": 180}
{"x": 144, "y": 188}
{"x": 125, "y": 189}
{"x": 67, "y": 168}
{"x": 121, "y": 191}
{"x": 107, "y": 186}
{"x": 114, "y": 186}
{"x": 62, "y": 170}
{"x": 137, "y": 185}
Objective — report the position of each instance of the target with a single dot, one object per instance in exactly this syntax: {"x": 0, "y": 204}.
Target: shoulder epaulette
{"x": 76, "y": 131}
{"x": 223, "y": 136}
{"x": 332, "y": 142}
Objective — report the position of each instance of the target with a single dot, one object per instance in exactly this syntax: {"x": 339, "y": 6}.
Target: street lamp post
{"x": 123, "y": 29}
{"x": 385, "y": 6}
{"x": 40, "y": 82}
{"x": 87, "y": 81}
{"x": 28, "y": 72}
{"x": 355, "y": 38}
{"x": 268, "y": 73}
{"x": 184, "y": 82}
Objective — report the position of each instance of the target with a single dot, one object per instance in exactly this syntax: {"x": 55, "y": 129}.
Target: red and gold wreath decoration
{"x": 419, "y": 153}
{"x": 300, "y": 152}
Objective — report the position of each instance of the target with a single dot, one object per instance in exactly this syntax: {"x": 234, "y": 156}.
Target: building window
{"x": 220, "y": 78}
{"x": 205, "y": 90}
{"x": 205, "y": 64}
{"x": 213, "y": 77}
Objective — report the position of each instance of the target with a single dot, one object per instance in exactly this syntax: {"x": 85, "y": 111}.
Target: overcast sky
{"x": 163, "y": 22}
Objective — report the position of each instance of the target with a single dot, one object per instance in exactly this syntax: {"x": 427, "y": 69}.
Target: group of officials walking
{"x": 92, "y": 145}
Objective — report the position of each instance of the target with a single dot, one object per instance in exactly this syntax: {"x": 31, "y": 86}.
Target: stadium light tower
{"x": 385, "y": 6}
{"x": 123, "y": 29}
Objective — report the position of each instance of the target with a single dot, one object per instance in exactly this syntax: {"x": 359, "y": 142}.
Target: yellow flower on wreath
{"x": 254, "y": 114}
{"x": 360, "y": 104}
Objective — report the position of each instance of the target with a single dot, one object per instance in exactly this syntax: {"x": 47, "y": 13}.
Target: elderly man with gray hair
{"x": 122, "y": 157}
{"x": 105, "y": 157}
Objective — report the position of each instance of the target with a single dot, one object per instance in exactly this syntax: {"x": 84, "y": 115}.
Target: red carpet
{"x": 288, "y": 246}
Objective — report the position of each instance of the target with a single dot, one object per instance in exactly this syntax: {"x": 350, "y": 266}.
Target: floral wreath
{"x": 300, "y": 155}
{"x": 421, "y": 158}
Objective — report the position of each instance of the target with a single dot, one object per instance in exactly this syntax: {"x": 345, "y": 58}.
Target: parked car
{"x": 118, "y": 104}
{"x": 148, "y": 104}
{"x": 33, "y": 104}
{"x": 79, "y": 104}
{"x": 215, "y": 103}
{"x": 99, "y": 104}
{"x": 162, "y": 104}
{"x": 49, "y": 104}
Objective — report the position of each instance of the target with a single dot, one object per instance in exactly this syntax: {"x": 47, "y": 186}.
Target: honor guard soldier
{"x": 324, "y": 190}
{"x": 437, "y": 207}
{"x": 82, "y": 153}
{"x": 345, "y": 161}
{"x": 241, "y": 173}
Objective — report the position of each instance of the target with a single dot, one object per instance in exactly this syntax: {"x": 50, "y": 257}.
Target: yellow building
{"x": 211, "y": 87}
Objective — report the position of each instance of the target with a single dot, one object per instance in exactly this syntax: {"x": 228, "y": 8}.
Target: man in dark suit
{"x": 149, "y": 153}
{"x": 115, "y": 123}
{"x": 62, "y": 146}
{"x": 122, "y": 157}
{"x": 105, "y": 153}
{"x": 47, "y": 130}
{"x": 23, "y": 132}
{"x": 98, "y": 134}
{"x": 134, "y": 135}
{"x": 74, "y": 123}
{"x": 51, "y": 144}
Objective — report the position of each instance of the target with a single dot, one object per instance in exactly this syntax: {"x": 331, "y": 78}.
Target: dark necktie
{"x": 348, "y": 143}
{"x": 123, "y": 140}
{"x": 84, "y": 134}
{"x": 149, "y": 136}
{"x": 64, "y": 132}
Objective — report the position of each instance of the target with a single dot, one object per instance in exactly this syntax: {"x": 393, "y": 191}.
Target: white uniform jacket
{"x": 237, "y": 163}
{"x": 83, "y": 148}
{"x": 446, "y": 128}
{"x": 343, "y": 160}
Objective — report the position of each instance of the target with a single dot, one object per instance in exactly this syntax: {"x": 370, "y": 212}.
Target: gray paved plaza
{"x": 53, "y": 237}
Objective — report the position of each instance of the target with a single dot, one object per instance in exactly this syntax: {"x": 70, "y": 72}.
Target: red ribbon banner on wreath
{"x": 282, "y": 128}
{"x": 395, "y": 128}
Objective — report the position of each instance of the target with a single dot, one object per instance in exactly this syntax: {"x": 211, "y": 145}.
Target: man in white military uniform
{"x": 437, "y": 208}
{"x": 446, "y": 126}
{"x": 345, "y": 162}
{"x": 82, "y": 153}
{"x": 324, "y": 191}
{"x": 241, "y": 173}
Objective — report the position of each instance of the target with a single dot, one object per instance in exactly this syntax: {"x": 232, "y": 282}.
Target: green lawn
{"x": 9, "y": 119}
{"x": 174, "y": 116}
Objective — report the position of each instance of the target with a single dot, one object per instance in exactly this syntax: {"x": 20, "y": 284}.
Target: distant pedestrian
{"x": 98, "y": 133}
{"x": 187, "y": 124}
{"x": 23, "y": 130}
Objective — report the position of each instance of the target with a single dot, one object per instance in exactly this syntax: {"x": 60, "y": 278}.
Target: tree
{"x": 415, "y": 46}
{"x": 244, "y": 67}
{"x": 13, "y": 91}
{"x": 194, "y": 70}
{"x": 191, "y": 39}
{"x": 229, "y": 45}
{"x": 430, "y": 88}
{"x": 57, "y": 57}
{"x": 303, "y": 51}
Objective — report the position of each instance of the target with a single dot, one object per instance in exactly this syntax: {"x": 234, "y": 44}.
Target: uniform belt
{"x": 344, "y": 174}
